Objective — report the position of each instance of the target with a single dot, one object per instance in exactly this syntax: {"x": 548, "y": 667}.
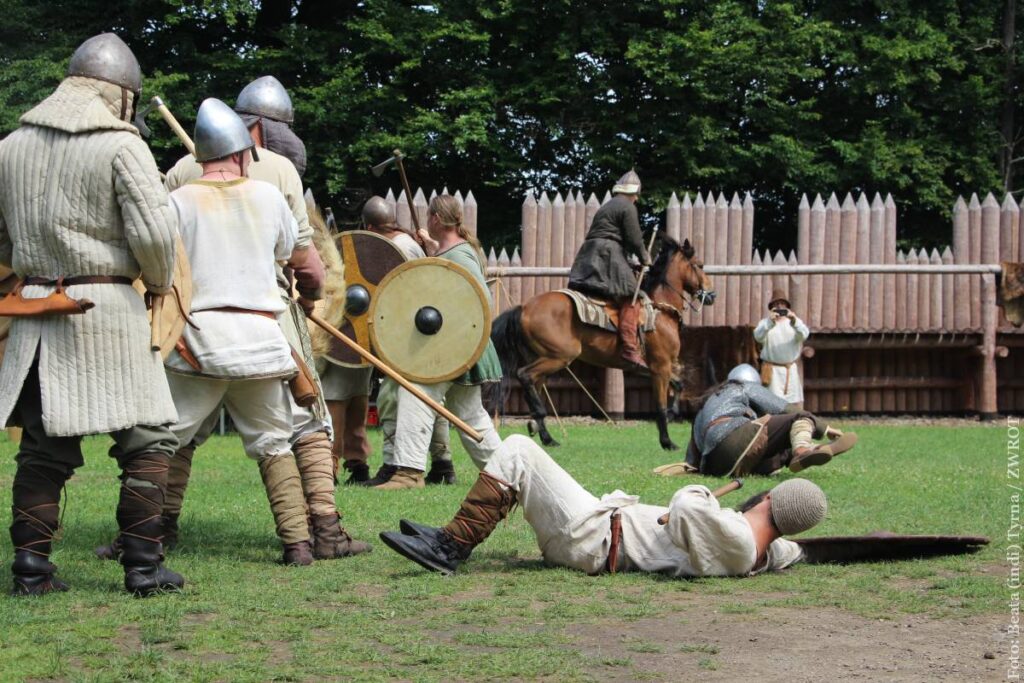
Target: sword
{"x": 406, "y": 384}
{"x": 643, "y": 271}
{"x": 733, "y": 485}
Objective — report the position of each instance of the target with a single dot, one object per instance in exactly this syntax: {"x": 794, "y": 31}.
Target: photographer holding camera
{"x": 782, "y": 335}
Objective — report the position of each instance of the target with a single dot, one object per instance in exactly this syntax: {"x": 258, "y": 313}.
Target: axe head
{"x": 140, "y": 120}
{"x": 379, "y": 169}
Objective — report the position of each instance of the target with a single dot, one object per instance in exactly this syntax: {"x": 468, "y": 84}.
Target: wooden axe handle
{"x": 733, "y": 485}
{"x": 175, "y": 126}
{"x": 156, "y": 328}
{"x": 406, "y": 384}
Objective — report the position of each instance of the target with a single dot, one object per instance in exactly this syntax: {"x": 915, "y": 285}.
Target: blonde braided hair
{"x": 449, "y": 213}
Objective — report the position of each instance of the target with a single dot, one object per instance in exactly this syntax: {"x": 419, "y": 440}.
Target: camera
{"x": 782, "y": 311}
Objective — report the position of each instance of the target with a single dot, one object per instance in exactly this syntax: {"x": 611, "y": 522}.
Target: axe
{"x": 378, "y": 171}
{"x": 733, "y": 485}
{"x": 158, "y": 104}
{"x": 156, "y": 332}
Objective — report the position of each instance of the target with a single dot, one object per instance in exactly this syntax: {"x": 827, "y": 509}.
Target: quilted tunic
{"x": 80, "y": 194}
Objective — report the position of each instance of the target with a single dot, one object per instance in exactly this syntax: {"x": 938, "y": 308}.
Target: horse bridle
{"x": 689, "y": 303}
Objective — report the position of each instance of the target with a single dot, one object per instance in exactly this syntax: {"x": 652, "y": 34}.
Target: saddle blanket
{"x": 598, "y": 313}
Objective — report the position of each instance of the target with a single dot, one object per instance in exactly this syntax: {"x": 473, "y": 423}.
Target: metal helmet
{"x": 376, "y": 211}
{"x": 744, "y": 373}
{"x": 219, "y": 131}
{"x": 628, "y": 184}
{"x": 266, "y": 97}
{"x": 106, "y": 58}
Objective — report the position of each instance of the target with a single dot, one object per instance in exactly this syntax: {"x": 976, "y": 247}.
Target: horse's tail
{"x": 509, "y": 342}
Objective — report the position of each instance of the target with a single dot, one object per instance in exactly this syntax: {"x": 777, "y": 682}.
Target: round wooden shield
{"x": 430, "y": 320}
{"x": 884, "y": 545}
{"x": 368, "y": 259}
{"x": 172, "y": 322}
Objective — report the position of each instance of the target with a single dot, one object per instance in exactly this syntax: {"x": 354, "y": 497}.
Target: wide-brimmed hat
{"x": 777, "y": 296}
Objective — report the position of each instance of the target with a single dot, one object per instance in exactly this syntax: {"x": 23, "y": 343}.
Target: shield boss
{"x": 368, "y": 258}
{"x": 173, "y": 324}
{"x": 430, "y": 320}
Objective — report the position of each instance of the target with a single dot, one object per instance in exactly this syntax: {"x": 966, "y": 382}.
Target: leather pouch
{"x": 303, "y": 385}
{"x": 15, "y": 305}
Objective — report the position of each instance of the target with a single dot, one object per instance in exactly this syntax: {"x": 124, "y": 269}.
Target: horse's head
{"x": 678, "y": 268}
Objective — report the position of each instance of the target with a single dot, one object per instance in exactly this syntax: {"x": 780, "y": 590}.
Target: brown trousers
{"x": 772, "y": 448}
{"x": 350, "y": 442}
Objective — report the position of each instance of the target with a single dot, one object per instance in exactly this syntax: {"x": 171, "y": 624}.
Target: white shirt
{"x": 700, "y": 539}
{"x": 782, "y": 342}
{"x": 408, "y": 245}
{"x": 234, "y": 231}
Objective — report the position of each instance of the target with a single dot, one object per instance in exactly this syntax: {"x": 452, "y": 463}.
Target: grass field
{"x": 243, "y": 617}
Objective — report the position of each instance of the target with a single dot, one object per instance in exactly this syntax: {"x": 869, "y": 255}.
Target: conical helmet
{"x": 628, "y": 184}
{"x": 106, "y": 58}
{"x": 266, "y": 97}
{"x": 219, "y": 131}
{"x": 744, "y": 372}
{"x": 376, "y": 211}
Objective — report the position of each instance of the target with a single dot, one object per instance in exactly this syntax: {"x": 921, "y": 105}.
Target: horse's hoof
{"x": 670, "y": 446}
{"x": 550, "y": 442}
{"x": 531, "y": 428}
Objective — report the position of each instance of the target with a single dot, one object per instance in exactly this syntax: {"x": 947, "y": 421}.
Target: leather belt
{"x": 236, "y": 309}
{"x": 613, "y": 551}
{"x": 79, "y": 280}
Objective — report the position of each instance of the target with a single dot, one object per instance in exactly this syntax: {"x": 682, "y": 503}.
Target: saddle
{"x": 604, "y": 315}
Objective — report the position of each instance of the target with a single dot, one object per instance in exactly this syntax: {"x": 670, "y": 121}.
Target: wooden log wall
{"x": 941, "y": 309}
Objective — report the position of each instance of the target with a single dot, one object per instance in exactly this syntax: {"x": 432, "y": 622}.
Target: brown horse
{"x": 544, "y": 335}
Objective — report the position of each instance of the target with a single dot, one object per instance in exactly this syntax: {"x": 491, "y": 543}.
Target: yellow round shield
{"x": 430, "y": 320}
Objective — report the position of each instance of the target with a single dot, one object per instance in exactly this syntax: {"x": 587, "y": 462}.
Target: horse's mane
{"x": 659, "y": 269}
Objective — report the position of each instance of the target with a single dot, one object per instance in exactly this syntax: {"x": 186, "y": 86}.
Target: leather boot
{"x": 441, "y": 472}
{"x": 35, "y": 517}
{"x": 403, "y": 478}
{"x": 143, "y": 482}
{"x": 629, "y": 336}
{"x": 299, "y": 554}
{"x": 358, "y": 472}
{"x": 821, "y": 454}
{"x": 113, "y": 550}
{"x": 444, "y": 549}
{"x": 331, "y": 541}
{"x": 384, "y": 474}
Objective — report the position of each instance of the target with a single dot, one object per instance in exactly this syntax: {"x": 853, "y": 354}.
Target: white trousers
{"x": 415, "y": 424}
{"x": 259, "y": 408}
{"x": 553, "y": 504}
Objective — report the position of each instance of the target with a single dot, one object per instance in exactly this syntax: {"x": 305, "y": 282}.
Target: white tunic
{"x": 233, "y": 232}
{"x": 573, "y": 527}
{"x": 782, "y": 341}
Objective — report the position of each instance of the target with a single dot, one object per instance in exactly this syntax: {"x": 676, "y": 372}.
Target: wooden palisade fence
{"x": 881, "y": 342}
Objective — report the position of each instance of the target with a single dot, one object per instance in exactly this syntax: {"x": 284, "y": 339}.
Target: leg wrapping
{"x": 488, "y": 502}
{"x": 284, "y": 491}
{"x": 35, "y": 510}
{"x": 178, "y": 473}
{"x": 316, "y": 469}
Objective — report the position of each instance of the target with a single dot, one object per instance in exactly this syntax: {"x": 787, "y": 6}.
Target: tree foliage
{"x": 502, "y": 96}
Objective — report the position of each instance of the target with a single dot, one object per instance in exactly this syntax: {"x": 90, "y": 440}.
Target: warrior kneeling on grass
{"x": 693, "y": 536}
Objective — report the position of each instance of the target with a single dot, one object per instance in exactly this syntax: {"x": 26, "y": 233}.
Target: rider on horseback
{"x": 601, "y": 268}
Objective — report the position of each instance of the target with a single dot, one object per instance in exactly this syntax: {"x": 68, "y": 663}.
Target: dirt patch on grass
{"x": 701, "y": 640}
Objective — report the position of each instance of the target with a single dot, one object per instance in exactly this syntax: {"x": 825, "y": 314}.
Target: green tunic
{"x": 488, "y": 368}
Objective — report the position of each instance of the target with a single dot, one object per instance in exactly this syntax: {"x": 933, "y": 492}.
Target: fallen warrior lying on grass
{"x": 616, "y": 532}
